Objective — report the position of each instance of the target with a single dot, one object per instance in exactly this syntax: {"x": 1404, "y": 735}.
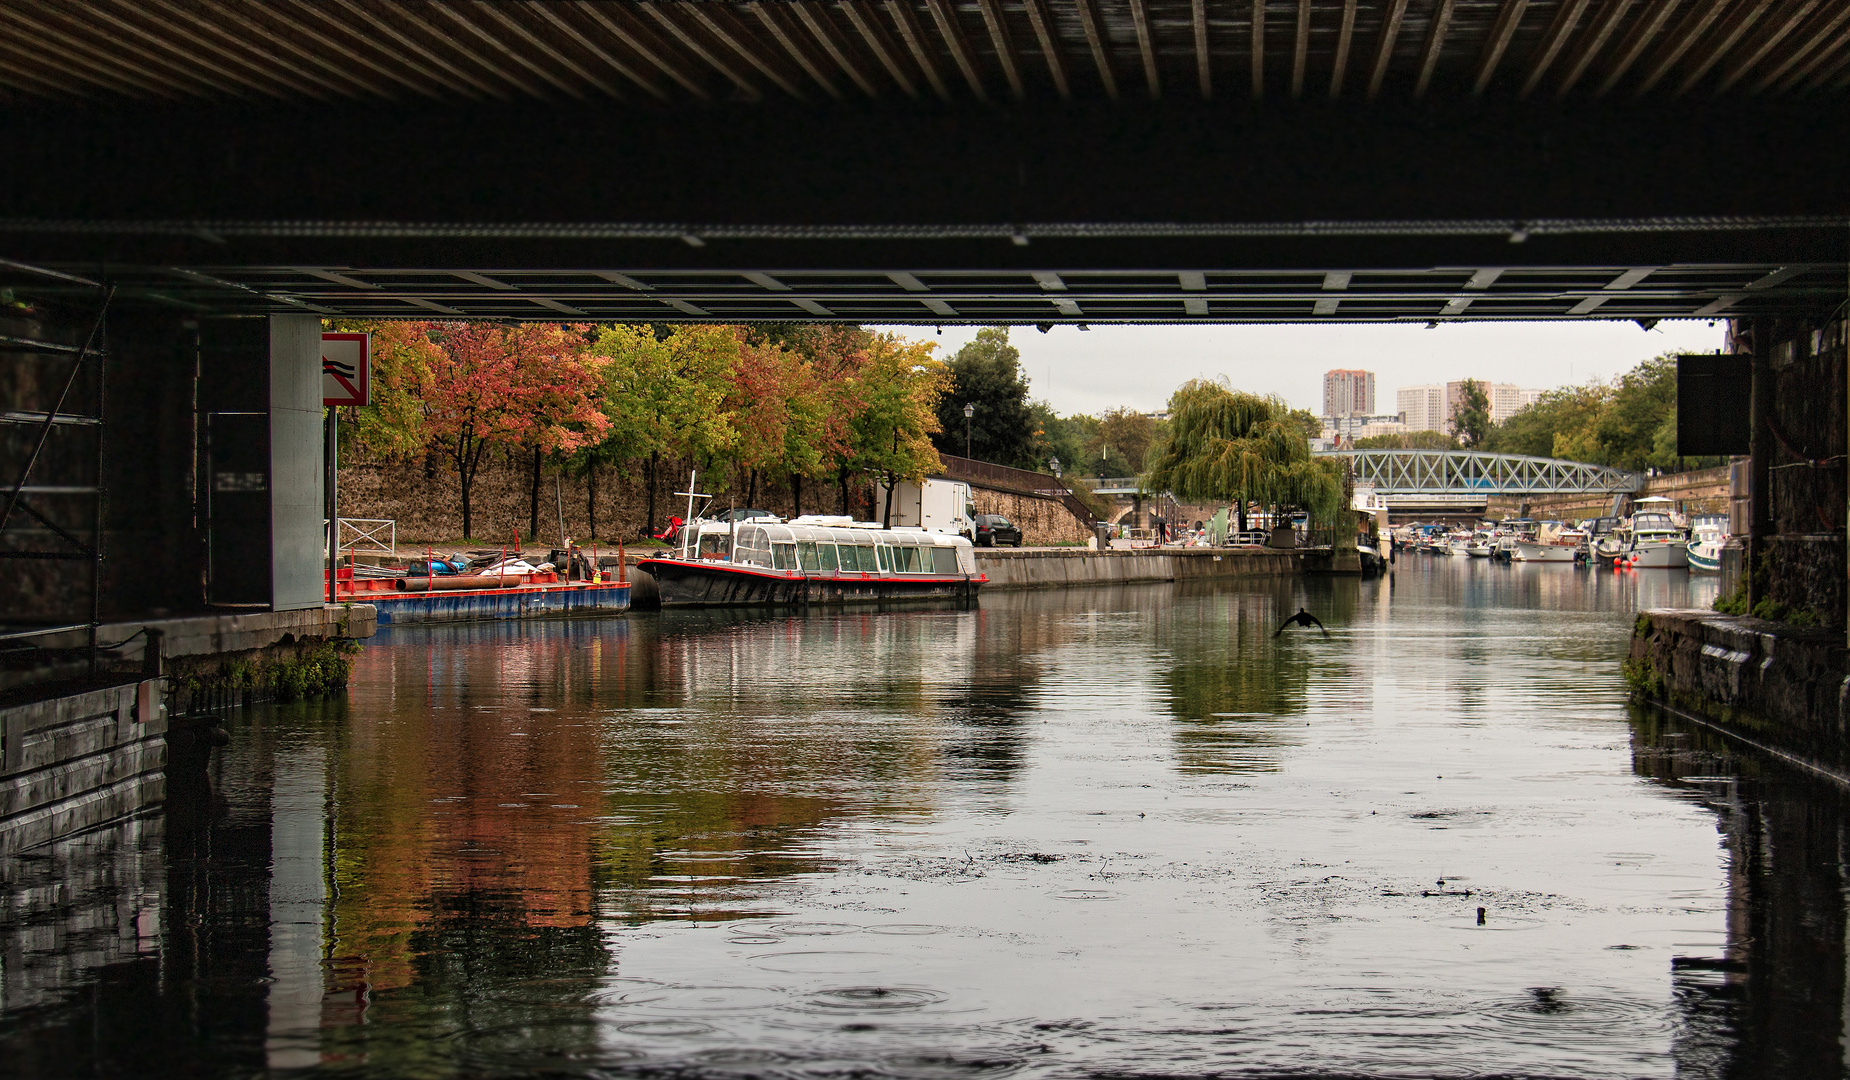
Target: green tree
{"x": 663, "y": 396}
{"x": 1571, "y": 411}
{"x": 1230, "y": 446}
{"x": 1470, "y": 419}
{"x": 899, "y": 386}
{"x": 987, "y": 373}
{"x": 1123, "y": 441}
{"x": 1409, "y": 440}
{"x": 1061, "y": 437}
{"x": 1644, "y": 398}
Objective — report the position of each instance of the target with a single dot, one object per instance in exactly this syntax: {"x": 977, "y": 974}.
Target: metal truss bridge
{"x": 1469, "y": 472}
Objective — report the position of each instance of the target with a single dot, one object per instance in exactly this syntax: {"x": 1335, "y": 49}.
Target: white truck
{"x": 934, "y": 505}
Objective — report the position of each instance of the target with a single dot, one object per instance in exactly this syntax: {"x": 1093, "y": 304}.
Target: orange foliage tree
{"x": 528, "y": 385}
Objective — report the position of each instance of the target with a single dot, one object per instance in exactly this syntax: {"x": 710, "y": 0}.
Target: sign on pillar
{"x": 346, "y": 369}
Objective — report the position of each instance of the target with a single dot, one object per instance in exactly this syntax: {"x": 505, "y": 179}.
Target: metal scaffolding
{"x": 46, "y": 516}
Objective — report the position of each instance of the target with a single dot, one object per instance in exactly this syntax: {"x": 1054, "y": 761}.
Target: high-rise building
{"x": 1348, "y": 391}
{"x": 1422, "y": 408}
{"x": 1506, "y": 399}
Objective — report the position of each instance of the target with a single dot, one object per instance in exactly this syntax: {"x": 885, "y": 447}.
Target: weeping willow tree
{"x": 1228, "y": 446}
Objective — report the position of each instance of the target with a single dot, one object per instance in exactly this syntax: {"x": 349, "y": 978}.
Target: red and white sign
{"x": 346, "y": 369}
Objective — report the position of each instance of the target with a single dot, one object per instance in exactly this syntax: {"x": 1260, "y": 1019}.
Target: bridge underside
{"x": 1038, "y": 213}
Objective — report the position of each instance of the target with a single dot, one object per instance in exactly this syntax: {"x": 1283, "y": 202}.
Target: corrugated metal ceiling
{"x": 683, "y": 51}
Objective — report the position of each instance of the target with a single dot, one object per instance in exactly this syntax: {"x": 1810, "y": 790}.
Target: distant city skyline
{"x": 1137, "y": 367}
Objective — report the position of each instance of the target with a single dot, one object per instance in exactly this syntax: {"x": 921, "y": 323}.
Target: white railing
{"x": 366, "y": 536}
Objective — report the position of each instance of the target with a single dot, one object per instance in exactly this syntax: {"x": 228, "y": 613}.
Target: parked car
{"x": 994, "y": 530}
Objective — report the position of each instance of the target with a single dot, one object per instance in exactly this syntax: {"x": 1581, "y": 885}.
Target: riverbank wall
{"x": 1783, "y": 688}
{"x": 1060, "y": 568}
{"x": 85, "y": 741}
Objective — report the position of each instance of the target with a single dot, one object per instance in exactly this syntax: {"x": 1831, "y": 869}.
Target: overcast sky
{"x": 1107, "y": 366}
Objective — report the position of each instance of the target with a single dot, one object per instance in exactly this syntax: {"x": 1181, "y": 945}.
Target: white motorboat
{"x": 1480, "y": 545}
{"x": 1657, "y": 544}
{"x": 1546, "y": 551}
{"x": 1705, "y": 547}
{"x": 1458, "y": 544}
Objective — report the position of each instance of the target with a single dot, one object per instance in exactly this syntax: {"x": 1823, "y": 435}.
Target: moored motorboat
{"x": 1705, "y": 547}
{"x": 1657, "y": 544}
{"x": 812, "y": 561}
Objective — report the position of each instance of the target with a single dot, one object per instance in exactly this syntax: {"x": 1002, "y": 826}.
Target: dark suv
{"x": 994, "y": 530}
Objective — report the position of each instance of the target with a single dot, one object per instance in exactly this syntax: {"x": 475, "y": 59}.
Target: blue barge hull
{"x": 551, "y": 601}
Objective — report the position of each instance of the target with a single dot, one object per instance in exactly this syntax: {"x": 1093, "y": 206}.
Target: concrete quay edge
{"x": 1059, "y": 568}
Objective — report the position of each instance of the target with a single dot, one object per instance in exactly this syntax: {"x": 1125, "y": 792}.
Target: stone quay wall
{"x": 1781, "y": 687}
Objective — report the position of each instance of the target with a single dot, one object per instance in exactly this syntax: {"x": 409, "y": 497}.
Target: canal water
{"x": 1077, "y": 833}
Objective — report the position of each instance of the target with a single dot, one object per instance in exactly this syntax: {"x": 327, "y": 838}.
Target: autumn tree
{"x": 497, "y": 386}
{"x": 823, "y": 444}
{"x": 403, "y": 355}
{"x": 558, "y": 380}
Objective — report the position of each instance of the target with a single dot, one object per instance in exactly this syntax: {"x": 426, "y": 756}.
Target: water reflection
{"x": 1067, "y": 832}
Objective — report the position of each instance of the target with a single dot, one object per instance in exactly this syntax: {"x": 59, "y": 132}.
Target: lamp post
{"x": 969, "y": 411}
{"x": 1053, "y": 462}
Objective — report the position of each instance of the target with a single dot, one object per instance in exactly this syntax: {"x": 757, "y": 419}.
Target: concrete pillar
{"x": 296, "y": 474}
{"x": 1760, "y": 442}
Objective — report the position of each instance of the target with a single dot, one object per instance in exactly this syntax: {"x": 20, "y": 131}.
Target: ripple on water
{"x": 704, "y": 999}
{"x": 664, "y": 1028}
{"x": 1558, "y": 1017}
{"x": 908, "y": 929}
{"x": 823, "y": 962}
{"x": 872, "y": 998}
{"x": 1085, "y": 894}
{"x": 813, "y": 929}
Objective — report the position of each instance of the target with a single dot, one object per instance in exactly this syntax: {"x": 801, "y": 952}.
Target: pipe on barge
{"x": 460, "y": 581}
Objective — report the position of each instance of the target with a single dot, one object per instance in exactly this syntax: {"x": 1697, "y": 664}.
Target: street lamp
{"x": 1053, "y": 462}
{"x": 969, "y": 411}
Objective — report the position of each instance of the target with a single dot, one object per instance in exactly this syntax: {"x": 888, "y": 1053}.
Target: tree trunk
{"x": 655, "y": 458}
{"x": 886, "y": 519}
{"x": 751, "y": 489}
{"x": 842, "y": 476}
{"x": 533, "y": 507}
{"x": 463, "y": 478}
{"x": 796, "y": 493}
{"x": 1242, "y": 509}
{"x": 591, "y": 495}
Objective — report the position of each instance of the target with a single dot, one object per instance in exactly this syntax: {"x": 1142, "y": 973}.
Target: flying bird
{"x": 1302, "y": 618}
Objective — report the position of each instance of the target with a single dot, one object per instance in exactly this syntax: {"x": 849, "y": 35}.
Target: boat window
{"x": 784, "y": 556}
{"x": 944, "y": 560}
{"x": 858, "y": 558}
{"x": 777, "y": 532}
{"x": 882, "y": 556}
{"x": 825, "y": 557}
{"x": 751, "y": 536}
{"x": 806, "y": 554}
{"x": 713, "y": 545}
{"x": 906, "y": 560}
